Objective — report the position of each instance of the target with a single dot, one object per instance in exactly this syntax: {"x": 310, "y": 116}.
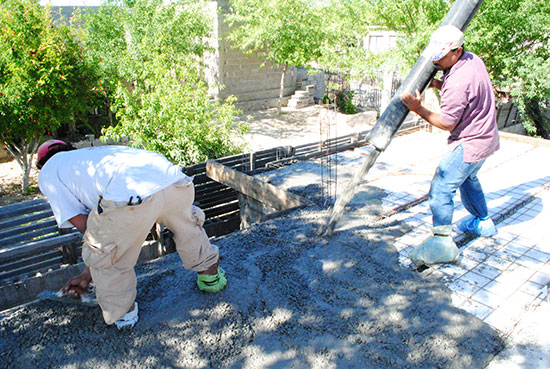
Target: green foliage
{"x": 326, "y": 100}
{"x": 150, "y": 53}
{"x": 45, "y": 77}
{"x": 511, "y": 36}
{"x": 286, "y": 32}
{"x": 309, "y": 34}
{"x": 343, "y": 101}
{"x": 30, "y": 190}
{"x": 344, "y": 53}
{"x": 413, "y": 20}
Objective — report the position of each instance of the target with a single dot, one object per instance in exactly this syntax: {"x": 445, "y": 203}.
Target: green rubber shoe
{"x": 212, "y": 283}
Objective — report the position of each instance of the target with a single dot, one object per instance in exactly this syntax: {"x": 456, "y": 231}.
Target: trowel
{"x": 86, "y": 299}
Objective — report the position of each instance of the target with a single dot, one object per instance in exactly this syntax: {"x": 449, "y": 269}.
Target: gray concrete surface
{"x": 293, "y": 301}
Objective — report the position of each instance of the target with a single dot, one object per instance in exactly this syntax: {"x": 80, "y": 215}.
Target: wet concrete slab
{"x": 295, "y": 299}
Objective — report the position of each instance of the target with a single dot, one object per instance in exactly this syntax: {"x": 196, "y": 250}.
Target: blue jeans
{"x": 453, "y": 174}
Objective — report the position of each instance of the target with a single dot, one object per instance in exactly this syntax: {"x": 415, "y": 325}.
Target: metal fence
{"x": 367, "y": 92}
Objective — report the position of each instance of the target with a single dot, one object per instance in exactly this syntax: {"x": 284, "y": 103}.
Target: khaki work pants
{"x": 116, "y": 232}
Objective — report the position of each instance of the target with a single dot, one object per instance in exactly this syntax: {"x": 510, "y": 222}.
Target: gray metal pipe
{"x": 392, "y": 118}
{"x": 419, "y": 77}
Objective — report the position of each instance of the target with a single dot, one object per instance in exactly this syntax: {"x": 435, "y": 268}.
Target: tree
{"x": 45, "y": 78}
{"x": 284, "y": 32}
{"x": 149, "y": 52}
{"x": 342, "y": 49}
{"x": 511, "y": 36}
{"x": 413, "y": 20}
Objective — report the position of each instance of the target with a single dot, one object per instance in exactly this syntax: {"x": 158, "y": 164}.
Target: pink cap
{"x": 45, "y": 147}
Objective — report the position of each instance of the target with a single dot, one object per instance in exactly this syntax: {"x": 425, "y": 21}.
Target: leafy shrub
{"x": 150, "y": 53}
{"x": 343, "y": 101}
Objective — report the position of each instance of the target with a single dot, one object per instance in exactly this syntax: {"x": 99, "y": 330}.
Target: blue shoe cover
{"x": 477, "y": 226}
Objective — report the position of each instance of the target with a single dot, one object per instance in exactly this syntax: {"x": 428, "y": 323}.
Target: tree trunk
{"x": 23, "y": 153}
{"x": 107, "y": 104}
{"x": 534, "y": 112}
{"x": 282, "y": 88}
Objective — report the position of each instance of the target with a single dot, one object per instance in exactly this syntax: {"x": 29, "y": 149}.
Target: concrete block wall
{"x": 304, "y": 78}
{"x": 255, "y": 85}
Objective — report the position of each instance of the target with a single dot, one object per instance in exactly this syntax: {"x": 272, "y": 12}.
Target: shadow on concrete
{"x": 519, "y": 199}
{"x": 293, "y": 300}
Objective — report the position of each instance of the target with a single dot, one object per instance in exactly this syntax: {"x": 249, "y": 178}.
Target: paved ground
{"x": 351, "y": 300}
{"x": 502, "y": 280}
{"x": 296, "y": 127}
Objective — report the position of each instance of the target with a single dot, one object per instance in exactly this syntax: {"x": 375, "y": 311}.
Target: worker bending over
{"x": 114, "y": 195}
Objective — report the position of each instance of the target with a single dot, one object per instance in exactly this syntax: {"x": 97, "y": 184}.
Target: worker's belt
{"x": 132, "y": 201}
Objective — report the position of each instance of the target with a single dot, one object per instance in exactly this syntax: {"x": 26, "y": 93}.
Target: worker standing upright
{"x": 468, "y": 112}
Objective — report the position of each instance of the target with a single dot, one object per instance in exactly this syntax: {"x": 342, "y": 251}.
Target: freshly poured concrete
{"x": 298, "y": 300}
{"x": 293, "y": 300}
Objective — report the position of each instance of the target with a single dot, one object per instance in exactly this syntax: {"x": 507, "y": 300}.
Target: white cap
{"x": 443, "y": 40}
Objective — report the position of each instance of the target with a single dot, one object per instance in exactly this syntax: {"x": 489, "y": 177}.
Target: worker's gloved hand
{"x": 439, "y": 248}
{"x": 77, "y": 286}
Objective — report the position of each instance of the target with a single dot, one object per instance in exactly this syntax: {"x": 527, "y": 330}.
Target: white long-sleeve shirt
{"x": 73, "y": 181}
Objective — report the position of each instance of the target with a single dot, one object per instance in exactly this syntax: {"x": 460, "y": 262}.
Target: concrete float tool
{"x": 86, "y": 299}
{"x": 390, "y": 121}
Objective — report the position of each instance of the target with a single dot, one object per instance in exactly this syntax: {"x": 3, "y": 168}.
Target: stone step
{"x": 301, "y": 93}
{"x": 304, "y": 99}
{"x": 297, "y": 105}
